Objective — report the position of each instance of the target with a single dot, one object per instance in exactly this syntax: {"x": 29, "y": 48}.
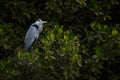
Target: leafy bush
{"x": 75, "y": 11}
{"x": 62, "y": 55}
{"x": 59, "y": 59}
{"x": 100, "y": 50}
{"x": 9, "y": 39}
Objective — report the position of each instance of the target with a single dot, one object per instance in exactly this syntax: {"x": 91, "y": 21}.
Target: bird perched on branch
{"x": 33, "y": 33}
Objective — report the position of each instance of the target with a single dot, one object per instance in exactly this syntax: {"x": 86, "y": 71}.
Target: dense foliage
{"x": 81, "y": 40}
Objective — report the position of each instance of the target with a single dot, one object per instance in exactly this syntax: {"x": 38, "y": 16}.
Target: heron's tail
{"x": 26, "y": 48}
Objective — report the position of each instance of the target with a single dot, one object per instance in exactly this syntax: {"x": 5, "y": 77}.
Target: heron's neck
{"x": 36, "y": 26}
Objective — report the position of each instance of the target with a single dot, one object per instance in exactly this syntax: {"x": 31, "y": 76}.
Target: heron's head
{"x": 39, "y": 21}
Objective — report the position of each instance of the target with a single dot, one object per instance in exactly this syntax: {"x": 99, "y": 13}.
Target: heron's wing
{"x": 30, "y": 37}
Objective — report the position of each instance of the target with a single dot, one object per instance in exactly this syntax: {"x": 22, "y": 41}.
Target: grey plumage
{"x": 33, "y": 33}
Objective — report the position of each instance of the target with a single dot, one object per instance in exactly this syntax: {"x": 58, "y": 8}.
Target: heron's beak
{"x": 44, "y": 21}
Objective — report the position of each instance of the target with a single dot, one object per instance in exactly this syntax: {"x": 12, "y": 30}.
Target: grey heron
{"x": 33, "y": 33}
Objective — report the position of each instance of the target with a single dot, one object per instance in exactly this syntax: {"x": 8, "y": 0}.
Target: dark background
{"x": 93, "y": 24}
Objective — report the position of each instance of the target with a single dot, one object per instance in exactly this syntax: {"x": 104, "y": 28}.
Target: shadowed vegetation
{"x": 81, "y": 40}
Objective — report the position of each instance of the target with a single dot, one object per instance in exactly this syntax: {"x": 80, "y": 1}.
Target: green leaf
{"x": 19, "y": 54}
{"x": 105, "y": 27}
{"x": 65, "y": 37}
{"x": 75, "y": 38}
{"x": 93, "y": 24}
{"x": 99, "y": 26}
{"x": 98, "y": 50}
{"x": 60, "y": 30}
{"x": 114, "y": 32}
{"x": 52, "y": 36}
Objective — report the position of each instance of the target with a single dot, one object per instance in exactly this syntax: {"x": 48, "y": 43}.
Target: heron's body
{"x": 33, "y": 33}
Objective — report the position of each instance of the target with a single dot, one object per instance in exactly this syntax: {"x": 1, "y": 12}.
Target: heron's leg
{"x": 39, "y": 41}
{"x": 40, "y": 45}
